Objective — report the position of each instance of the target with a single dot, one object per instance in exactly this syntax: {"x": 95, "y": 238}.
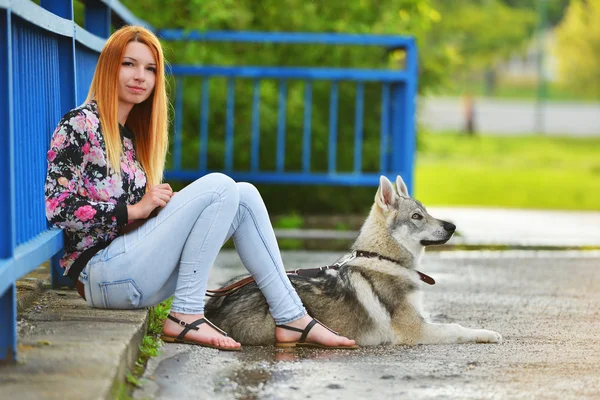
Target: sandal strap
{"x": 307, "y": 329}
{"x": 178, "y": 321}
{"x": 193, "y": 325}
{"x": 221, "y": 331}
{"x": 326, "y": 327}
{"x": 290, "y": 328}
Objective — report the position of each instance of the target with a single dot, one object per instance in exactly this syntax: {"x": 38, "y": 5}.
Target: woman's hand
{"x": 157, "y": 196}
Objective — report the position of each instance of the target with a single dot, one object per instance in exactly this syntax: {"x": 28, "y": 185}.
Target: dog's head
{"x": 407, "y": 220}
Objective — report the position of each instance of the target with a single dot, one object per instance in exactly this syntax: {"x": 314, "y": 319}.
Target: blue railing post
{"x": 66, "y": 56}
{"x": 255, "y": 146}
{"x": 8, "y": 330}
{"x": 62, "y": 8}
{"x": 410, "y": 100}
{"x": 66, "y": 50}
{"x": 384, "y": 129}
{"x": 8, "y": 300}
{"x": 402, "y": 121}
{"x": 97, "y": 18}
{"x": 398, "y": 130}
{"x": 178, "y": 126}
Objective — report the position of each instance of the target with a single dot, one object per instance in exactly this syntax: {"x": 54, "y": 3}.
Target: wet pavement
{"x": 545, "y": 304}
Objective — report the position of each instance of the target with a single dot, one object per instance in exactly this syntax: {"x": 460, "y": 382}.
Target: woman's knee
{"x": 248, "y": 192}
{"x": 217, "y": 182}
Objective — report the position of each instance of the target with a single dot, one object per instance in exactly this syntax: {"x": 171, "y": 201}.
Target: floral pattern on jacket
{"x": 89, "y": 204}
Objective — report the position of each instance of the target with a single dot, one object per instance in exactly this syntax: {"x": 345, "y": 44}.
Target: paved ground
{"x": 545, "y": 304}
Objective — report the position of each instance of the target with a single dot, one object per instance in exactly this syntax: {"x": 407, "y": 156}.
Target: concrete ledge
{"x": 70, "y": 351}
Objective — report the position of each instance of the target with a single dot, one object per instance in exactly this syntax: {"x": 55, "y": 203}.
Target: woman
{"x": 105, "y": 166}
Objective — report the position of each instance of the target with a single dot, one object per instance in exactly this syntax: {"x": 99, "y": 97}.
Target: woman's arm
{"x": 68, "y": 205}
{"x": 133, "y": 214}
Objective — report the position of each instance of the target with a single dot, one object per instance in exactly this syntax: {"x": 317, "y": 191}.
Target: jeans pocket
{"x": 123, "y": 294}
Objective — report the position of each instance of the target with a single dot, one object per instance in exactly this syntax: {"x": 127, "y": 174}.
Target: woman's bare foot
{"x": 318, "y": 334}
{"x": 204, "y": 335}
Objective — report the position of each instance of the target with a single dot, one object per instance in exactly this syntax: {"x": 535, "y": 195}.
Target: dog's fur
{"x": 371, "y": 300}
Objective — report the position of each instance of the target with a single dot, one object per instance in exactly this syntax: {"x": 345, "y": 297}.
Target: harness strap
{"x": 227, "y": 290}
{"x": 314, "y": 272}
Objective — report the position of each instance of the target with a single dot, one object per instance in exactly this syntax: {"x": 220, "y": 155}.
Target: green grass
{"x": 149, "y": 348}
{"x": 526, "y": 172}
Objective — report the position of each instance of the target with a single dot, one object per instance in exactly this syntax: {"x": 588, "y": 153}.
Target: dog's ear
{"x": 401, "y": 187}
{"x": 386, "y": 195}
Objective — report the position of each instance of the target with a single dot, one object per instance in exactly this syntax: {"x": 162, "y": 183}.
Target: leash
{"x": 314, "y": 272}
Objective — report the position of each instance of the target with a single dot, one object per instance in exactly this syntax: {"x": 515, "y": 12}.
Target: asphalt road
{"x": 545, "y": 304}
{"x": 512, "y": 117}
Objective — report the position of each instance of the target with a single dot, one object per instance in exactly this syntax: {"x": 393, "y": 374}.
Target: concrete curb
{"x": 68, "y": 350}
{"x": 129, "y": 357}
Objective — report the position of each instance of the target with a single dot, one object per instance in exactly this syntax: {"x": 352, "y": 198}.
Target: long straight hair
{"x": 148, "y": 120}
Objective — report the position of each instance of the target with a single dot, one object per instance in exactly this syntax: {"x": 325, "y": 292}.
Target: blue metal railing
{"x": 397, "y": 129}
{"x": 46, "y": 66}
{"x": 47, "y": 62}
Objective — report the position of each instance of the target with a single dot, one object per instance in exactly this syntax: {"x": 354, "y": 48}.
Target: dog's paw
{"x": 485, "y": 336}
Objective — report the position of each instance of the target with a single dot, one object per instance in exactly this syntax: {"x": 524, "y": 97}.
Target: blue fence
{"x": 47, "y": 63}
{"x": 396, "y": 111}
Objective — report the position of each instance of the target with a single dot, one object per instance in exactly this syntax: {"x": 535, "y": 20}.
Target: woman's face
{"x": 137, "y": 74}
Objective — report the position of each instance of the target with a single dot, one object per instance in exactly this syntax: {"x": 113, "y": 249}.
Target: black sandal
{"x": 302, "y": 341}
{"x": 194, "y": 325}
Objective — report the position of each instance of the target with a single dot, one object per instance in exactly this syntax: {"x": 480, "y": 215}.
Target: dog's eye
{"x": 417, "y": 216}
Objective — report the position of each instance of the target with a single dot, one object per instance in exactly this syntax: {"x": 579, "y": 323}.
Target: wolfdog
{"x": 373, "y": 294}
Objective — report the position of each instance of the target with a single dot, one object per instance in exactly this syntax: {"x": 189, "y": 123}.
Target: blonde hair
{"x": 148, "y": 120}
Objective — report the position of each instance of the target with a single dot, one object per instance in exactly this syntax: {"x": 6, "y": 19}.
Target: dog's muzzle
{"x": 449, "y": 227}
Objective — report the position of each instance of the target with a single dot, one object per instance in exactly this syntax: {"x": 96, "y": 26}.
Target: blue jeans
{"x": 171, "y": 254}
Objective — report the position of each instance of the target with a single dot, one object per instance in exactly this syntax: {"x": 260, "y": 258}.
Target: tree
{"x": 578, "y": 47}
{"x": 482, "y": 33}
{"x": 555, "y": 9}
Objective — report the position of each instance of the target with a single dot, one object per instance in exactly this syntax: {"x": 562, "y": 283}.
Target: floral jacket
{"x": 89, "y": 204}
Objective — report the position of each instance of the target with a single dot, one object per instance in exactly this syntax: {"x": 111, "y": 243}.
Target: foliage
{"x": 578, "y": 47}
{"x": 291, "y": 221}
{"x": 149, "y": 347}
{"x": 554, "y": 8}
{"x": 483, "y": 34}
{"x": 413, "y": 17}
{"x": 525, "y": 89}
{"x": 157, "y": 317}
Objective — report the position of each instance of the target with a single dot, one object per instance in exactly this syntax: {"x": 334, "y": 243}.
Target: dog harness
{"x": 314, "y": 272}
